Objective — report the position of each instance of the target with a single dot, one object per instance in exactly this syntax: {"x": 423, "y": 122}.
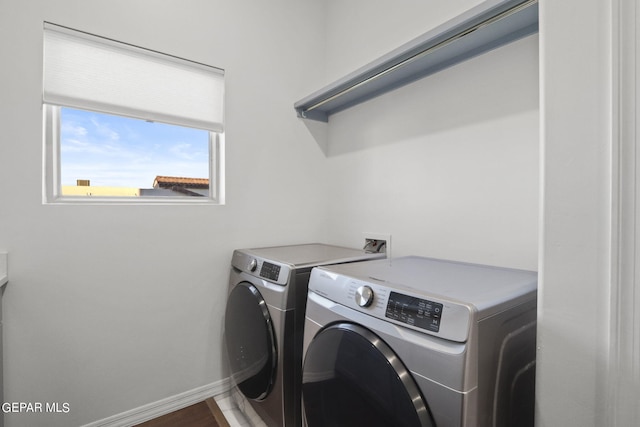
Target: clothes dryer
{"x": 264, "y": 321}
{"x": 418, "y": 342}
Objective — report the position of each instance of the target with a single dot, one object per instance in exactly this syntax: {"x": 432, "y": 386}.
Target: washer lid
{"x": 353, "y": 378}
{"x": 487, "y": 289}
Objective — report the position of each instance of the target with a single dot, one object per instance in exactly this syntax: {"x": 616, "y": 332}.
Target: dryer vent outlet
{"x": 377, "y": 243}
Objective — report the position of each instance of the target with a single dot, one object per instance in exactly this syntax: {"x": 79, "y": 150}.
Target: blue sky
{"x": 122, "y": 152}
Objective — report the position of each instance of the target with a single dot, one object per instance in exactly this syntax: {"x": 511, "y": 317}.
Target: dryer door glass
{"x": 250, "y": 340}
{"x": 353, "y": 378}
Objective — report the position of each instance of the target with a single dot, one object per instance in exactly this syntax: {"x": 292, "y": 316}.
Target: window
{"x": 127, "y": 124}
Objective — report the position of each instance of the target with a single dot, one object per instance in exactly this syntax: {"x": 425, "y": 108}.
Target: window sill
{"x": 84, "y": 200}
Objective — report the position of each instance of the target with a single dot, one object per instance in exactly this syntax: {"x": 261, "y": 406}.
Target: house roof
{"x": 180, "y": 181}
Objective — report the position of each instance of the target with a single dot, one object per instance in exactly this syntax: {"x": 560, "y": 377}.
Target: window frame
{"x": 52, "y": 186}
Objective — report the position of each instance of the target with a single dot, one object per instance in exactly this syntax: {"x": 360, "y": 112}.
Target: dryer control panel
{"x": 431, "y": 314}
{"x": 269, "y": 270}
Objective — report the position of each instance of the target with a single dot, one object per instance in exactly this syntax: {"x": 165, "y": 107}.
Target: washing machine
{"x": 264, "y": 320}
{"x": 418, "y": 342}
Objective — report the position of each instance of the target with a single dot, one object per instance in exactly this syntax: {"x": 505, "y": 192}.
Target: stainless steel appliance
{"x": 418, "y": 342}
{"x": 264, "y": 322}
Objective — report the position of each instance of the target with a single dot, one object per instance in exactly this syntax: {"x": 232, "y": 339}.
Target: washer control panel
{"x": 414, "y": 311}
{"x": 431, "y": 314}
{"x": 364, "y": 296}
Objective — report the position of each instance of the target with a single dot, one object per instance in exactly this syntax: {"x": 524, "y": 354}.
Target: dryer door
{"x": 353, "y": 378}
{"x": 250, "y": 340}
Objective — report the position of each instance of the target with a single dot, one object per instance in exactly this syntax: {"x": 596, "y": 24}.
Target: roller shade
{"x": 93, "y": 73}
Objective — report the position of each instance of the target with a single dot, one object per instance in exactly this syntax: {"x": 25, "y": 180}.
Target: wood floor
{"x": 203, "y": 414}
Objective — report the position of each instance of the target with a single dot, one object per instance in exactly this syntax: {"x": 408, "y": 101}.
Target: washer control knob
{"x": 253, "y": 264}
{"x": 364, "y": 296}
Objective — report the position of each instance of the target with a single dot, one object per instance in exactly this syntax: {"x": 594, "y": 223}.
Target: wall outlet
{"x": 377, "y": 243}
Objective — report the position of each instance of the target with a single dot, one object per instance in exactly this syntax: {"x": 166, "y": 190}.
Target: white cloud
{"x": 185, "y": 151}
{"x": 72, "y": 129}
{"x": 104, "y": 129}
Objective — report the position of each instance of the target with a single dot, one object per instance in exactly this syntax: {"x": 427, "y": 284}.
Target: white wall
{"x": 447, "y": 165}
{"x": 624, "y": 345}
{"x": 113, "y": 307}
{"x": 360, "y": 31}
{"x": 575, "y": 290}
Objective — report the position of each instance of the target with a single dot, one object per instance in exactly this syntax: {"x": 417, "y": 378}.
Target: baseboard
{"x": 164, "y": 406}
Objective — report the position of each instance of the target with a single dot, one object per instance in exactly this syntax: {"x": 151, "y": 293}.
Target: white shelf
{"x": 487, "y": 26}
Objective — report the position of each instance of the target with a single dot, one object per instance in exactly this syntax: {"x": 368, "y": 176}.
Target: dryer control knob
{"x": 364, "y": 296}
{"x": 253, "y": 264}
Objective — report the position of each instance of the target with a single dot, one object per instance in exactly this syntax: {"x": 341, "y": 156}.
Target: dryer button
{"x": 364, "y": 296}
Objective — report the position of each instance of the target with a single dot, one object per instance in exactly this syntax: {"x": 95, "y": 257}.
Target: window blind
{"x": 93, "y": 73}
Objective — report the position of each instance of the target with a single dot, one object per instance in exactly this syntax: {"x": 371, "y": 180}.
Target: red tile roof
{"x": 173, "y": 181}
